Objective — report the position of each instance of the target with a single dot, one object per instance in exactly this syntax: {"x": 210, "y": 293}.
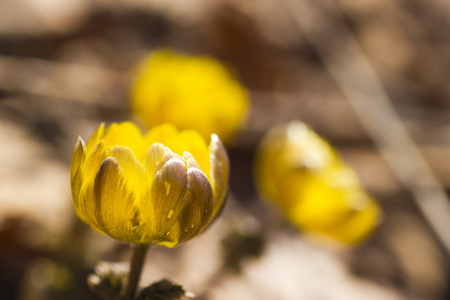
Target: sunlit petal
{"x": 95, "y": 138}
{"x": 190, "y": 161}
{"x": 361, "y": 224}
{"x": 126, "y": 134}
{"x": 154, "y": 155}
{"x": 166, "y": 194}
{"x": 192, "y": 142}
{"x": 132, "y": 169}
{"x": 164, "y": 134}
{"x": 77, "y": 157}
{"x": 84, "y": 201}
{"x": 196, "y": 212}
{"x": 114, "y": 199}
{"x": 220, "y": 171}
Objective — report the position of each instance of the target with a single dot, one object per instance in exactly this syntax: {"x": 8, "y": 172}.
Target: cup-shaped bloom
{"x": 300, "y": 172}
{"x": 191, "y": 92}
{"x": 162, "y": 188}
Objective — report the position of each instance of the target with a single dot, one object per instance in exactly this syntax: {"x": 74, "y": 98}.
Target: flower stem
{"x": 136, "y": 264}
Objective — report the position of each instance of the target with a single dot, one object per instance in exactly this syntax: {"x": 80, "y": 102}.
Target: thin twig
{"x": 321, "y": 23}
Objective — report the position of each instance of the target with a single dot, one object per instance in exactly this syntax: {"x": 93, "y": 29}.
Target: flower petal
{"x": 179, "y": 142}
{"x": 192, "y": 142}
{"x": 93, "y": 161}
{"x": 194, "y": 213}
{"x": 164, "y": 198}
{"x": 132, "y": 169}
{"x": 197, "y": 212}
{"x": 363, "y": 222}
{"x": 164, "y": 134}
{"x": 190, "y": 161}
{"x": 95, "y": 138}
{"x": 114, "y": 202}
{"x": 126, "y": 134}
{"x": 220, "y": 170}
{"x": 319, "y": 204}
{"x": 77, "y": 158}
{"x": 156, "y": 158}
{"x": 86, "y": 173}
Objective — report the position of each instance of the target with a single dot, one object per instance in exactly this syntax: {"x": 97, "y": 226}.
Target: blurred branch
{"x": 58, "y": 80}
{"x": 324, "y": 27}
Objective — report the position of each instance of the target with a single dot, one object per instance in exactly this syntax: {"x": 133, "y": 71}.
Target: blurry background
{"x": 65, "y": 67}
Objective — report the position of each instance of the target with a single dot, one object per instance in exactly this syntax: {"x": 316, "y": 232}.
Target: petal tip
{"x": 175, "y": 162}
{"x": 77, "y": 157}
{"x": 109, "y": 162}
{"x": 79, "y": 145}
{"x": 79, "y": 140}
{"x": 214, "y": 138}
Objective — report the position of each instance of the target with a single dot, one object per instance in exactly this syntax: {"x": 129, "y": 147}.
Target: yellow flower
{"x": 285, "y": 156}
{"x": 196, "y": 93}
{"x": 300, "y": 172}
{"x": 162, "y": 188}
{"x": 332, "y": 203}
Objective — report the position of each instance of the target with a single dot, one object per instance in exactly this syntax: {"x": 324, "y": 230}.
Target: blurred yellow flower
{"x": 315, "y": 189}
{"x": 197, "y": 93}
{"x": 162, "y": 188}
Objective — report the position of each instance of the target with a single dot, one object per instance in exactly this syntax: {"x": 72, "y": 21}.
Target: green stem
{"x": 136, "y": 264}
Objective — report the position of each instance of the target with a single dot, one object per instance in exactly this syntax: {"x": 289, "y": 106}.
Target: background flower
{"x": 315, "y": 189}
{"x": 191, "y": 92}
